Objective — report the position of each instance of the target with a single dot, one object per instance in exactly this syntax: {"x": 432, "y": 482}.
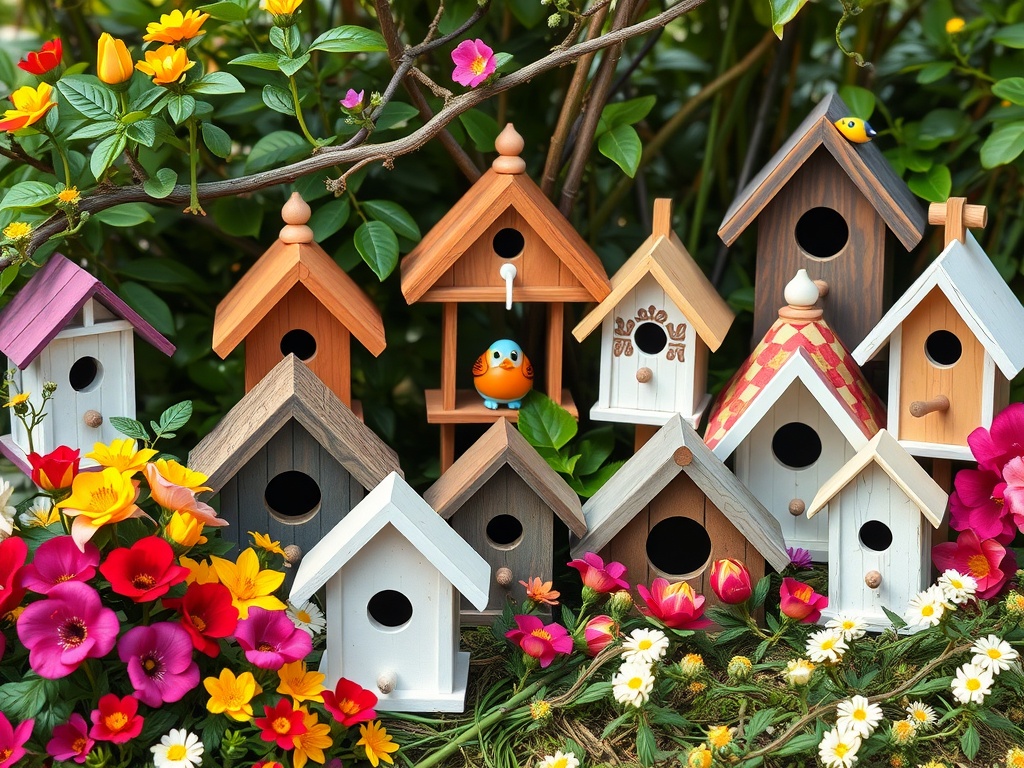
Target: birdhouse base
{"x": 470, "y": 409}
{"x": 653, "y": 418}
{"x": 938, "y": 451}
{"x": 470, "y": 618}
{"x": 872, "y": 623}
{"x": 429, "y": 701}
{"x": 17, "y": 457}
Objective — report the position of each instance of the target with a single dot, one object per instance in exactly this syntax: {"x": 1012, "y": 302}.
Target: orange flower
{"x": 166, "y": 65}
{"x": 30, "y": 105}
{"x": 540, "y": 591}
{"x": 113, "y": 61}
{"x": 174, "y": 27}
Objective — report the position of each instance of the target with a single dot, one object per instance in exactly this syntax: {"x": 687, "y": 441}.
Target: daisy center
{"x": 635, "y": 683}
{"x": 828, "y": 644}
{"x": 264, "y": 647}
{"x": 644, "y": 644}
{"x": 860, "y": 714}
{"x": 561, "y": 762}
{"x": 920, "y": 715}
{"x": 176, "y": 752}
{"x": 282, "y": 725}
{"x": 115, "y": 721}
{"x": 478, "y": 65}
{"x": 304, "y": 617}
{"x": 72, "y": 633}
{"x": 994, "y": 653}
{"x": 542, "y": 634}
{"x": 143, "y": 581}
{"x": 198, "y": 623}
{"x": 927, "y": 610}
{"x": 973, "y": 684}
{"x": 841, "y": 750}
{"x": 979, "y": 566}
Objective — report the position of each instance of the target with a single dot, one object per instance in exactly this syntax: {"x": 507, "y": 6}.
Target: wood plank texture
{"x": 470, "y": 409}
{"x": 556, "y": 333}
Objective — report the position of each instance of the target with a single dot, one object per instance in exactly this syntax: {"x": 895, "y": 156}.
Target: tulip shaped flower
{"x": 730, "y": 581}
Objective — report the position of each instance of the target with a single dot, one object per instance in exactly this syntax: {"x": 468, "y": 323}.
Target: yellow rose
{"x": 113, "y": 62}
{"x": 30, "y": 104}
{"x": 166, "y": 65}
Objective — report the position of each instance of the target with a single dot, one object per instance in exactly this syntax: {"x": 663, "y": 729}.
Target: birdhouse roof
{"x": 393, "y": 502}
{"x": 885, "y": 451}
{"x": 292, "y": 391}
{"x": 809, "y": 351}
{"x": 52, "y": 297}
{"x": 502, "y": 445}
{"x": 665, "y": 258}
{"x": 978, "y": 293}
{"x": 673, "y": 449}
{"x": 863, "y": 163}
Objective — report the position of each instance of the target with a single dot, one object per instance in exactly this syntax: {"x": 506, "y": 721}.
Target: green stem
{"x": 92, "y": 678}
{"x": 356, "y": 207}
{"x": 298, "y": 112}
{"x": 193, "y": 167}
{"x": 63, "y": 158}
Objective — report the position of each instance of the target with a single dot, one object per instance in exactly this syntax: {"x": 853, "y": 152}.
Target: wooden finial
{"x": 504, "y": 577}
{"x": 644, "y": 375}
{"x": 797, "y": 507}
{"x": 801, "y": 294}
{"x": 386, "y": 681}
{"x": 662, "y": 217}
{"x": 296, "y": 213}
{"x": 93, "y": 418}
{"x": 873, "y": 579}
{"x": 956, "y": 217}
{"x": 682, "y": 456}
{"x": 920, "y": 408}
{"x": 509, "y": 145}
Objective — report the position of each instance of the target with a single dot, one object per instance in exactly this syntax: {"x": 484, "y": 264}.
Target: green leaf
{"x": 624, "y": 113}
{"x": 157, "y": 270}
{"x": 970, "y": 742}
{"x": 129, "y": 427}
{"x": 933, "y": 186}
{"x": 758, "y": 722}
{"x": 105, "y": 153}
{"x": 291, "y": 66}
{"x": 589, "y": 485}
{"x": 934, "y": 72}
{"x": 783, "y": 12}
{"x": 861, "y": 101}
{"x": 395, "y": 115}
{"x": 267, "y": 61}
{"x": 595, "y": 448}
{"x": 761, "y": 591}
{"x": 28, "y": 194}
{"x": 180, "y": 107}
{"x": 349, "y": 39}
{"x": 225, "y": 11}
{"x": 216, "y": 84}
{"x": 124, "y": 215}
{"x": 645, "y": 744}
{"x": 153, "y": 309}
{"x": 482, "y": 129}
{"x": 27, "y": 697}
{"x": 216, "y": 140}
{"x": 895, "y": 618}
{"x": 1011, "y": 36}
{"x": 278, "y": 99}
{"x": 95, "y": 130}
{"x": 1003, "y": 145}
{"x": 277, "y": 148}
{"x": 378, "y": 245}
{"x": 88, "y": 96}
{"x": 7, "y": 277}
{"x": 927, "y": 687}
{"x": 161, "y": 184}
{"x": 285, "y": 44}
{"x": 1011, "y": 89}
{"x": 395, "y": 216}
{"x": 622, "y": 146}
{"x": 142, "y": 132}
{"x": 176, "y": 416}
{"x": 941, "y": 125}
{"x": 594, "y": 692}
{"x": 544, "y": 423}
{"x": 329, "y": 218}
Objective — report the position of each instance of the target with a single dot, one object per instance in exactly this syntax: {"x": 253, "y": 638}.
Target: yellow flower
{"x": 903, "y": 731}
{"x": 696, "y": 687}
{"x": 21, "y": 397}
{"x": 174, "y": 27}
{"x": 248, "y": 584}
{"x": 199, "y": 572}
{"x": 30, "y": 104}
{"x": 300, "y": 684}
{"x": 121, "y": 455}
{"x": 374, "y": 738}
{"x": 311, "y": 744}
{"x": 232, "y": 695}
{"x": 955, "y": 24}
{"x": 719, "y": 736}
{"x": 185, "y": 530}
{"x": 1015, "y": 758}
{"x": 283, "y": 7}
{"x": 263, "y": 542}
{"x": 699, "y": 757}
{"x": 69, "y": 196}
{"x": 166, "y": 65}
{"x": 178, "y": 474}
{"x": 540, "y": 709}
{"x": 113, "y": 62}
{"x": 98, "y": 499}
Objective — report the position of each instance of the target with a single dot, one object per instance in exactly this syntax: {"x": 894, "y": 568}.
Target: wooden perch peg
{"x": 93, "y": 419}
{"x": 504, "y": 577}
{"x": 797, "y": 507}
{"x": 920, "y": 408}
{"x": 822, "y": 288}
{"x": 873, "y": 579}
{"x": 956, "y": 216}
{"x": 644, "y": 375}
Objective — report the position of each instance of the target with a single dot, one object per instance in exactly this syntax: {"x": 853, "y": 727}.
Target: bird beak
{"x": 507, "y": 364}
{"x": 871, "y": 132}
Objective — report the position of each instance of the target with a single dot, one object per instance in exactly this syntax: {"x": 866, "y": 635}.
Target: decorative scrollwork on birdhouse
{"x": 652, "y": 314}
{"x": 623, "y": 343}
{"x": 676, "y": 349}
{"x": 672, "y": 335}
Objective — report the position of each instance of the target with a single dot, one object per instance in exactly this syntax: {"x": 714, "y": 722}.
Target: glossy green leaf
{"x": 396, "y": 114}
{"x": 395, "y": 216}
{"x": 1011, "y": 89}
{"x": 944, "y": 125}
{"x": 291, "y": 66}
{"x": 105, "y": 153}
{"x": 151, "y": 307}
{"x": 98, "y": 130}
{"x": 861, "y": 101}
{"x": 595, "y": 449}
{"x": 28, "y": 194}
{"x": 278, "y": 99}
{"x": 238, "y": 216}
{"x": 124, "y": 215}
{"x": 934, "y": 185}
{"x": 349, "y": 39}
{"x": 7, "y": 277}
{"x": 176, "y": 416}
{"x": 216, "y": 140}
{"x": 1011, "y": 36}
{"x": 143, "y": 132}
{"x": 161, "y": 184}
{"x": 277, "y": 148}
{"x": 544, "y": 423}
{"x": 225, "y": 11}
{"x": 783, "y": 12}
{"x": 934, "y": 72}
{"x": 970, "y": 742}
{"x": 88, "y": 96}
{"x": 378, "y": 245}
{"x": 267, "y": 61}
{"x": 482, "y": 129}
{"x": 162, "y": 271}
{"x": 590, "y": 484}
{"x": 329, "y": 218}
{"x": 285, "y": 40}
{"x": 622, "y": 146}
{"x": 1003, "y": 145}
{"x": 217, "y": 84}
{"x": 624, "y": 113}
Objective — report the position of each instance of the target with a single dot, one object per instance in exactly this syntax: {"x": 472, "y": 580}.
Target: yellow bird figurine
{"x": 503, "y": 374}
{"x": 856, "y": 130}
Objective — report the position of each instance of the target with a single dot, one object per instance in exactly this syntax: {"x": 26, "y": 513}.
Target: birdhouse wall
{"x": 300, "y": 324}
{"x": 821, "y": 211}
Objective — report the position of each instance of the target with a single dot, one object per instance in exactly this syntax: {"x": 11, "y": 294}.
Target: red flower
{"x": 799, "y": 601}
{"x": 116, "y": 720}
{"x": 207, "y": 613}
{"x": 145, "y": 571}
{"x": 55, "y": 470}
{"x": 350, "y": 703}
{"x": 539, "y": 640}
{"x": 13, "y": 552}
{"x": 599, "y": 633}
{"x": 42, "y": 61}
{"x": 674, "y": 605}
{"x": 988, "y": 561}
{"x": 600, "y": 577}
{"x": 730, "y": 581}
{"x": 282, "y": 724}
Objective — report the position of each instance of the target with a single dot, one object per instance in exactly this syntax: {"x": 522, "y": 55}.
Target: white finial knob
{"x": 296, "y": 213}
{"x": 509, "y": 145}
{"x": 386, "y": 681}
{"x": 801, "y": 290}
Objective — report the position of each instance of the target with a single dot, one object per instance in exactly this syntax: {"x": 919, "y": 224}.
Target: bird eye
{"x": 497, "y": 354}
{"x": 514, "y": 356}
{"x": 851, "y": 124}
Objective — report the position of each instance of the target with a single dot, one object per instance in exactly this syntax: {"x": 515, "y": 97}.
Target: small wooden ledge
{"x": 470, "y": 409}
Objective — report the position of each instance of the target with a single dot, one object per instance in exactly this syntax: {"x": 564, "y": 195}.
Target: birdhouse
{"x": 826, "y": 205}
{"x": 657, "y": 326}
{"x": 881, "y": 508}
{"x": 502, "y": 497}
{"x": 796, "y": 411}
{"x": 504, "y": 243}
{"x": 673, "y": 509}
{"x": 296, "y": 300}
{"x": 67, "y": 327}
{"x": 394, "y": 571}
{"x": 290, "y": 459}
{"x": 955, "y": 340}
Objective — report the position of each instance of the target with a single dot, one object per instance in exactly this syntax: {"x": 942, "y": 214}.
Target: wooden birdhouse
{"x": 394, "y": 571}
{"x": 296, "y": 300}
{"x": 504, "y": 243}
{"x": 657, "y": 327}
{"x": 673, "y": 509}
{"x": 956, "y": 338}
{"x": 881, "y": 508}
{"x": 67, "y": 327}
{"x": 826, "y": 205}
{"x": 290, "y": 459}
{"x": 502, "y": 497}
{"x": 796, "y": 411}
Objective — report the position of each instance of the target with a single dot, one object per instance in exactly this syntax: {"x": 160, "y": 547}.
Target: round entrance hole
{"x": 679, "y": 546}
{"x": 822, "y": 232}
{"x": 389, "y": 609}
{"x": 650, "y": 338}
{"x": 504, "y": 531}
{"x": 876, "y": 535}
{"x": 796, "y": 445}
{"x": 292, "y": 497}
{"x": 299, "y": 343}
{"x": 508, "y": 243}
{"x": 85, "y": 374}
{"x": 943, "y": 348}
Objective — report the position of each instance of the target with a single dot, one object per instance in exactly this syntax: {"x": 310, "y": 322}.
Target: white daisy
{"x": 920, "y": 714}
{"x": 859, "y": 716}
{"x": 308, "y": 617}
{"x": 632, "y": 684}
{"x": 852, "y": 627}
{"x": 39, "y": 514}
{"x": 927, "y": 608}
{"x": 7, "y": 512}
{"x": 993, "y": 654}
{"x": 972, "y": 683}
{"x": 645, "y": 645}
{"x": 826, "y": 645}
{"x": 178, "y": 749}
{"x": 957, "y": 587}
{"x": 559, "y": 760}
{"x": 798, "y": 672}
{"x": 838, "y": 748}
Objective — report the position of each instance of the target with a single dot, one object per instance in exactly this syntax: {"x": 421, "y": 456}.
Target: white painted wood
{"x": 70, "y": 332}
{"x": 988, "y": 385}
{"x": 654, "y": 418}
{"x": 938, "y": 450}
{"x": 893, "y": 402}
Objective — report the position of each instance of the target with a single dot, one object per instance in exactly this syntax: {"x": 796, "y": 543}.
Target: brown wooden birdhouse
{"x": 825, "y": 204}
{"x": 296, "y": 300}
{"x": 502, "y": 497}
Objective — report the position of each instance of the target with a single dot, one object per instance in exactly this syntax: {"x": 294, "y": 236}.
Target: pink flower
{"x": 599, "y": 577}
{"x": 977, "y": 505}
{"x": 474, "y": 63}
{"x": 674, "y": 605}
{"x": 13, "y": 551}
{"x": 996, "y": 446}
{"x": 160, "y": 664}
{"x": 65, "y": 629}
{"x": 730, "y": 581}
{"x": 799, "y": 601}
{"x": 270, "y": 640}
{"x": 599, "y": 633}
{"x": 1013, "y": 493}
{"x": 539, "y": 640}
{"x": 57, "y": 561}
{"x": 353, "y": 99}
{"x": 12, "y": 740}
{"x": 177, "y": 498}
{"x": 116, "y": 720}
{"x": 988, "y": 561}
{"x": 71, "y": 741}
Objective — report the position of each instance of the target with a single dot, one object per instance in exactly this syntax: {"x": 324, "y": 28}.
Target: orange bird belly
{"x": 499, "y": 384}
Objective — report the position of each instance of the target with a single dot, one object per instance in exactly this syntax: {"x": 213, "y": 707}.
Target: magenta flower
{"x": 57, "y": 561}
{"x": 270, "y": 640}
{"x": 799, "y": 557}
{"x": 159, "y": 659}
{"x": 474, "y": 63}
{"x": 71, "y": 741}
{"x": 675, "y": 605}
{"x": 65, "y": 629}
{"x": 539, "y": 640}
{"x": 12, "y": 740}
{"x": 1013, "y": 493}
{"x": 600, "y": 577}
{"x": 988, "y": 561}
{"x": 1005, "y": 439}
{"x": 799, "y": 601}
{"x": 977, "y": 505}
{"x": 353, "y": 99}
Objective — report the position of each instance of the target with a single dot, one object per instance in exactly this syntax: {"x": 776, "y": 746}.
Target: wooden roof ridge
{"x": 979, "y": 294}
{"x": 503, "y": 445}
{"x": 885, "y": 451}
{"x": 676, "y": 448}
{"x": 51, "y": 297}
{"x": 863, "y": 163}
{"x": 394, "y": 502}
{"x": 292, "y": 391}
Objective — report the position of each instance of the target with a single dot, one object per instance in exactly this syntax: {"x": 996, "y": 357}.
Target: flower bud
{"x": 798, "y": 672}
{"x": 114, "y": 64}
{"x": 599, "y": 633}
{"x": 620, "y": 602}
{"x": 739, "y": 669}
{"x": 730, "y": 581}
{"x": 699, "y": 757}
{"x": 691, "y": 665}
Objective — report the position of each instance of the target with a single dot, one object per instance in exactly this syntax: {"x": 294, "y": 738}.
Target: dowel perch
{"x": 873, "y": 579}
{"x": 644, "y": 375}
{"x": 93, "y": 419}
{"x": 822, "y": 288}
{"x": 797, "y": 507}
{"x": 956, "y": 216}
{"x": 504, "y": 577}
{"x": 920, "y": 408}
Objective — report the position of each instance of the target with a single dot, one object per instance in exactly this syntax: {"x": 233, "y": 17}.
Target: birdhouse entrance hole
{"x": 85, "y": 374}
{"x": 679, "y": 546}
{"x": 508, "y": 242}
{"x": 292, "y": 497}
{"x": 299, "y": 343}
{"x": 796, "y": 445}
{"x": 504, "y": 532}
{"x": 943, "y": 348}
{"x": 389, "y": 610}
{"x": 650, "y": 338}
{"x": 822, "y": 232}
{"x": 876, "y": 535}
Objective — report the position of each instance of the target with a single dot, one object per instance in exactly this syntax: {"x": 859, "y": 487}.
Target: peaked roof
{"x": 292, "y": 391}
{"x": 41, "y": 309}
{"x": 973, "y": 285}
{"x": 809, "y": 351}
{"x": 673, "y": 449}
{"x": 502, "y": 445}
{"x": 394, "y": 502}
{"x": 885, "y": 451}
{"x": 864, "y": 164}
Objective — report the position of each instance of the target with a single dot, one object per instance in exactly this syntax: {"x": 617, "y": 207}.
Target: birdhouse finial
{"x": 801, "y": 294}
{"x": 296, "y": 213}
{"x": 509, "y": 145}
{"x": 956, "y": 217}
